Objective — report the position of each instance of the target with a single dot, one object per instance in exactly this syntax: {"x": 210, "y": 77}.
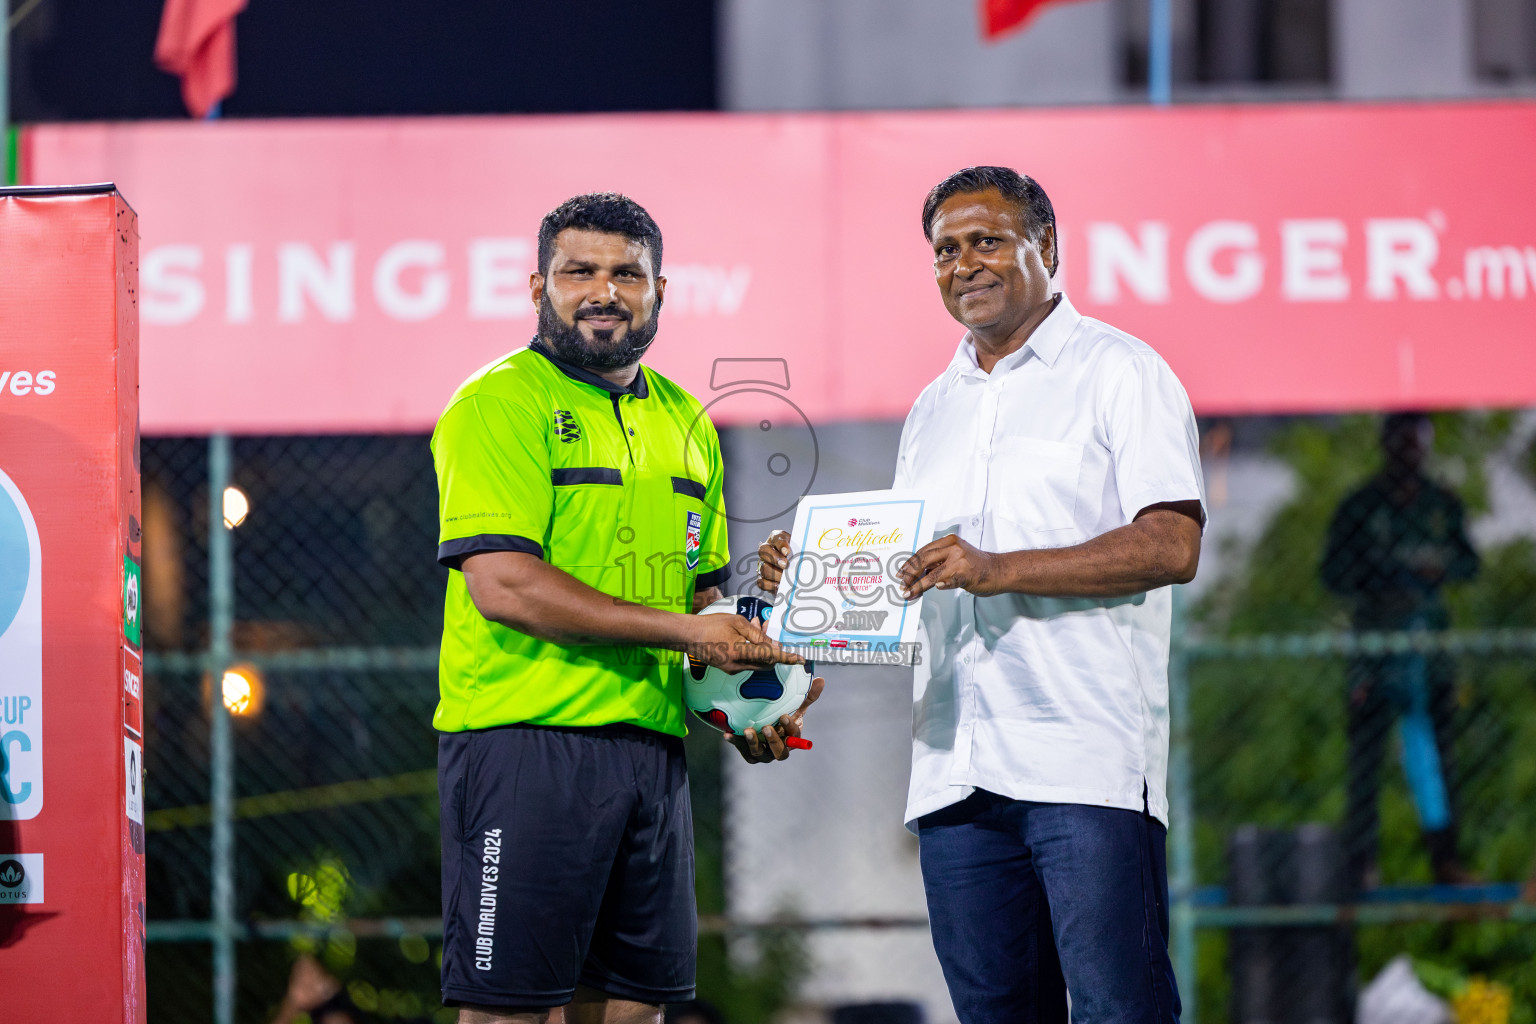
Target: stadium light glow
{"x": 242, "y": 690}
{"x": 236, "y": 507}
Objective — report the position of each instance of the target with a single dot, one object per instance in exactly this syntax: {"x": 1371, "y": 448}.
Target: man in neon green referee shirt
{"x": 580, "y": 507}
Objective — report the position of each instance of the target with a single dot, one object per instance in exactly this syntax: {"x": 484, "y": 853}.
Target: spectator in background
{"x": 1392, "y": 547}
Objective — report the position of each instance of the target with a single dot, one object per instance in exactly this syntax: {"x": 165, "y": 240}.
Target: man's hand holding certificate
{"x": 840, "y": 598}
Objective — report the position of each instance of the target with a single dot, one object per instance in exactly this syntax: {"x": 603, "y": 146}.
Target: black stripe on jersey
{"x": 585, "y": 475}
{"x": 453, "y": 552}
{"x": 691, "y": 488}
{"x": 713, "y": 578}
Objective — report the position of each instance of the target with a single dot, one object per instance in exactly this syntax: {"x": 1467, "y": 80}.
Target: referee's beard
{"x": 602, "y": 352}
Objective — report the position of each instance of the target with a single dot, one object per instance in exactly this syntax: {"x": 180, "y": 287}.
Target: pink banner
{"x": 346, "y": 275}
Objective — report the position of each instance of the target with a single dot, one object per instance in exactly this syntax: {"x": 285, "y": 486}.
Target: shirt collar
{"x": 637, "y": 387}
{"x": 1046, "y": 342}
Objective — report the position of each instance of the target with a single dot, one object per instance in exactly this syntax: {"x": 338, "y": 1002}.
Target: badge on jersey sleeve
{"x": 694, "y": 540}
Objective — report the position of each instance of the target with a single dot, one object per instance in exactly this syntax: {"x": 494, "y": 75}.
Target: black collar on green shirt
{"x": 637, "y": 387}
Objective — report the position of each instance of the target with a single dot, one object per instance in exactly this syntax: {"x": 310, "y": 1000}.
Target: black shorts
{"x": 567, "y": 859}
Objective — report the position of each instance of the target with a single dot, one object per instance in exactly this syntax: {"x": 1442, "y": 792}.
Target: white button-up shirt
{"x": 1058, "y": 700}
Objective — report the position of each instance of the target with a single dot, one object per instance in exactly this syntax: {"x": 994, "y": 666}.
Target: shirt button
{"x": 976, "y": 520}
{"x": 986, "y": 453}
{"x": 966, "y": 660}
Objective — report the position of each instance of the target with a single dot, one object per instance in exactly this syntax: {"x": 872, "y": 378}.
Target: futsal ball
{"x": 737, "y": 701}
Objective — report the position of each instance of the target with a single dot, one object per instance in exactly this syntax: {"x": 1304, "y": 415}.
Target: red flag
{"x": 197, "y": 43}
{"x": 999, "y": 17}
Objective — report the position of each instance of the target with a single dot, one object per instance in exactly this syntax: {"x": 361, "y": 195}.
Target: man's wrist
{"x": 1004, "y": 570}
{"x": 678, "y": 630}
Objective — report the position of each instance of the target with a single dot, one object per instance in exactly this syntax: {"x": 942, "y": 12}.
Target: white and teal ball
{"x": 737, "y": 701}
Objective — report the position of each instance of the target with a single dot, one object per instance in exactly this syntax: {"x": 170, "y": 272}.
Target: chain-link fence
{"x": 1352, "y": 776}
{"x": 331, "y": 647}
{"x": 1360, "y": 712}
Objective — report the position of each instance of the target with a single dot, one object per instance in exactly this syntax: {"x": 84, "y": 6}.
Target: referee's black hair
{"x": 1022, "y": 190}
{"x": 600, "y": 211}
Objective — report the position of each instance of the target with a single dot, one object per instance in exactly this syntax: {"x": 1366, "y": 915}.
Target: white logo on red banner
{"x": 133, "y": 776}
{"x": 21, "y": 878}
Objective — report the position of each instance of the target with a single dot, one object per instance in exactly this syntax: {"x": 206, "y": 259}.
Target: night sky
{"x": 85, "y": 60}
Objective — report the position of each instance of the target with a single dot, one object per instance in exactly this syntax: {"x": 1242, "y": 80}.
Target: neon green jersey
{"x": 620, "y": 487}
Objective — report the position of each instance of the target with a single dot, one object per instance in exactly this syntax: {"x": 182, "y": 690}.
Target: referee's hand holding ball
{"x": 734, "y": 644}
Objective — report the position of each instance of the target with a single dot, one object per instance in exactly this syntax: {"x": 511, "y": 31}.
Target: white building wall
{"x": 918, "y": 54}
{"x": 1402, "y": 49}
{"x": 905, "y": 54}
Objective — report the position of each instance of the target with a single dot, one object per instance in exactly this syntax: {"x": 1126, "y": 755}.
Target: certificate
{"x": 840, "y": 598}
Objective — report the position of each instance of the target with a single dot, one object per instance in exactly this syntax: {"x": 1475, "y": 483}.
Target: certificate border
{"x": 785, "y": 633}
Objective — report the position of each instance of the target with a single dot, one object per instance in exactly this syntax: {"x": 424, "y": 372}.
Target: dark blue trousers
{"x": 1028, "y": 901}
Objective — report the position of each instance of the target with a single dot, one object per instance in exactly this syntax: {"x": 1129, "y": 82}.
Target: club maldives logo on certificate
{"x": 840, "y": 600}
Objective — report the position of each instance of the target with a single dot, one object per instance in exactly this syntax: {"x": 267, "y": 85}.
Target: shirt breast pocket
{"x": 586, "y": 527}
{"x": 1035, "y": 484}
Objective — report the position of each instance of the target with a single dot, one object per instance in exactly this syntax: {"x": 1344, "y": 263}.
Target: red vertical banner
{"x": 71, "y": 655}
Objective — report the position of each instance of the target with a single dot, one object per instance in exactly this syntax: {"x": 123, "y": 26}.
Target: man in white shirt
{"x": 1061, "y": 460}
